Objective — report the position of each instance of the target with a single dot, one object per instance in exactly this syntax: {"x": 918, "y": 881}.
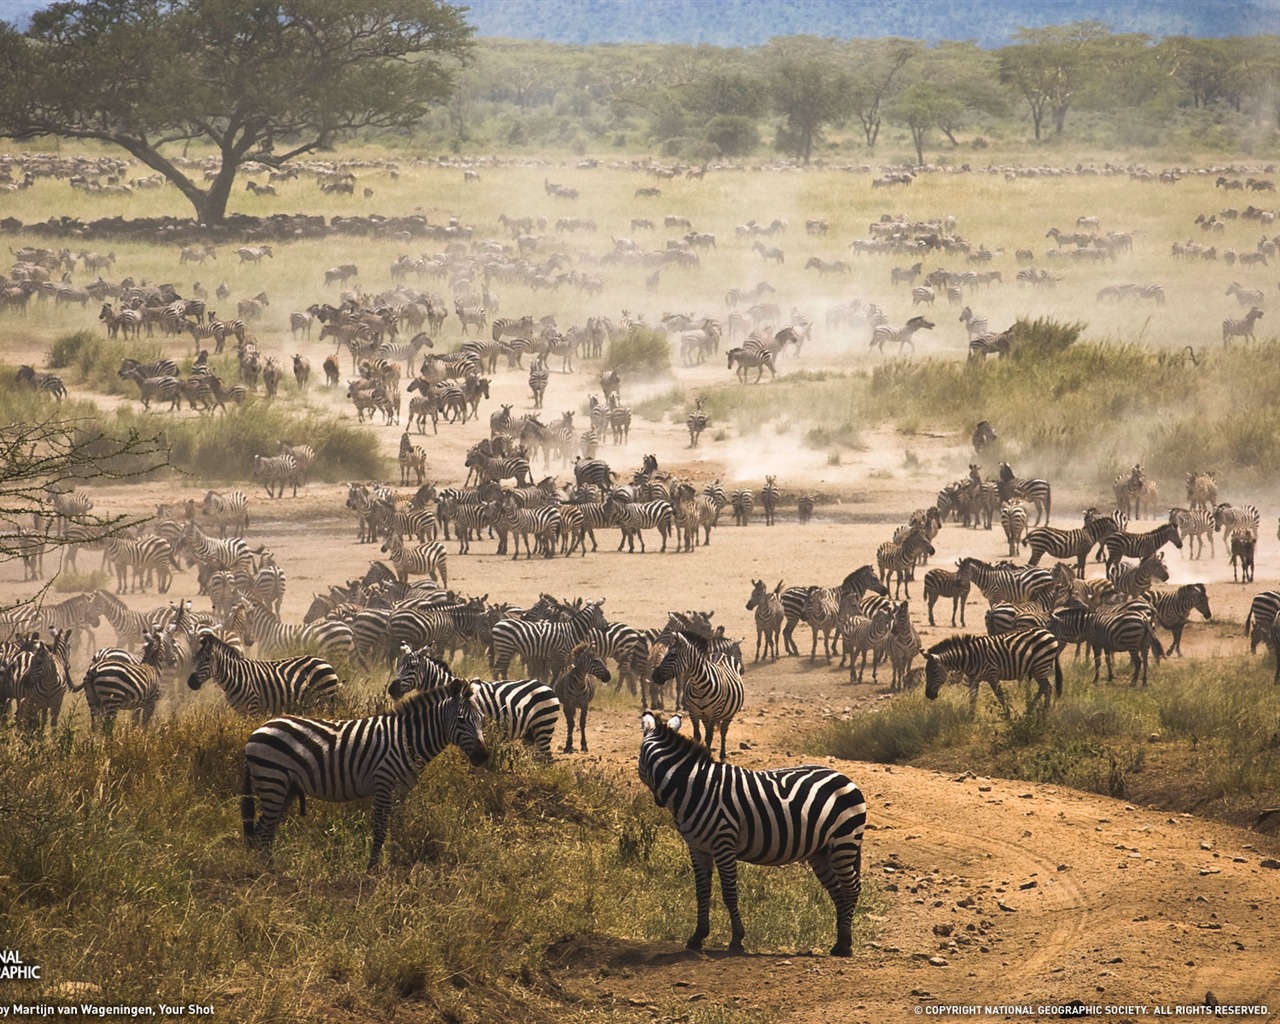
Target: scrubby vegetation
{"x": 1205, "y": 737}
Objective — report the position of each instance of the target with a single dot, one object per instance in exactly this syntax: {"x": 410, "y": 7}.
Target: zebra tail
{"x": 1057, "y": 678}
{"x": 246, "y": 807}
{"x": 1156, "y": 648}
{"x": 1247, "y": 620}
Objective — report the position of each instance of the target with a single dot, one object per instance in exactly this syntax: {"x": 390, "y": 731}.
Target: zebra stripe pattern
{"x": 780, "y": 816}
{"x": 422, "y": 560}
{"x": 275, "y": 470}
{"x": 758, "y": 360}
{"x": 1138, "y": 545}
{"x": 769, "y": 499}
{"x": 945, "y": 583}
{"x": 1194, "y": 525}
{"x": 1173, "y": 609}
{"x": 1132, "y": 580}
{"x": 576, "y": 689}
{"x": 1025, "y": 654}
{"x": 116, "y": 681}
{"x": 713, "y": 690}
{"x": 258, "y": 688}
{"x": 632, "y": 518}
{"x": 1240, "y": 327}
{"x": 1068, "y": 544}
{"x": 543, "y": 646}
{"x": 382, "y": 756}
{"x": 769, "y": 616}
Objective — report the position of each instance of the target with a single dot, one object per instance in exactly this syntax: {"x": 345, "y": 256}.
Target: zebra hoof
{"x": 842, "y": 949}
{"x": 694, "y": 943}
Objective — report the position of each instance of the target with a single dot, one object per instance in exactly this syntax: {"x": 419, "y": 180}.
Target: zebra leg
{"x": 568, "y": 724}
{"x": 383, "y": 799}
{"x": 702, "y": 887}
{"x": 844, "y": 889}
{"x": 727, "y": 867}
{"x": 582, "y": 728}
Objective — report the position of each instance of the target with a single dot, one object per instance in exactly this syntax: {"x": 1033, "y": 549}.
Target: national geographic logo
{"x": 12, "y": 967}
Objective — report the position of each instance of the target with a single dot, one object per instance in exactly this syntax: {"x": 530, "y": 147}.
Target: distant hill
{"x": 990, "y": 23}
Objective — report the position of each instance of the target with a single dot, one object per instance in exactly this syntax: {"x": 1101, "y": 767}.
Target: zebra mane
{"x": 699, "y": 642}
{"x": 426, "y": 700}
{"x": 685, "y": 744}
{"x": 949, "y": 644}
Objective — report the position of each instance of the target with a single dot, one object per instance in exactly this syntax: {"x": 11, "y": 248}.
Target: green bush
{"x": 642, "y": 352}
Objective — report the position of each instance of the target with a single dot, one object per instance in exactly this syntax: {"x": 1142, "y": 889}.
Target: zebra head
{"x": 658, "y": 741}
{"x": 935, "y": 674}
{"x": 464, "y": 722}
{"x": 202, "y": 667}
{"x": 586, "y": 661}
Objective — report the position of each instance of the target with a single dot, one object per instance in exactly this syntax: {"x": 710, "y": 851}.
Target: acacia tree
{"x": 260, "y": 80}
{"x": 874, "y": 65}
{"x": 41, "y": 460}
{"x": 1049, "y": 66}
{"x": 808, "y": 89}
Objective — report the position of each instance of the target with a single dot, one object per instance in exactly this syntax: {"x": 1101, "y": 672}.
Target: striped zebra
{"x": 712, "y": 689}
{"x": 382, "y": 756}
{"x": 855, "y": 584}
{"x": 1202, "y": 491}
{"x": 228, "y": 510}
{"x": 901, "y": 335}
{"x": 1019, "y": 585}
{"x": 821, "y": 613}
{"x": 257, "y": 688}
{"x": 511, "y": 327}
{"x": 543, "y": 522}
{"x": 904, "y": 645}
{"x": 1243, "y": 544}
{"x": 697, "y": 423}
{"x": 745, "y": 360}
{"x": 50, "y": 383}
{"x": 304, "y": 455}
{"x": 899, "y": 560}
{"x": 1069, "y": 544}
{"x": 945, "y": 583}
{"x": 1025, "y": 654}
{"x": 1194, "y": 525}
{"x": 1132, "y": 490}
{"x": 1228, "y": 517}
{"x": 116, "y": 681}
{"x": 439, "y": 627}
{"x": 1173, "y": 610}
{"x": 769, "y": 500}
{"x": 769, "y": 616}
{"x": 525, "y": 710}
{"x": 977, "y": 326}
{"x": 742, "y": 502}
{"x": 632, "y": 518}
{"x": 165, "y": 388}
{"x": 779, "y": 816}
{"x": 1036, "y": 491}
{"x": 1262, "y": 612}
{"x": 1240, "y": 327}
{"x": 36, "y": 676}
{"x": 576, "y": 689}
{"x": 1133, "y": 580}
{"x": 866, "y": 634}
{"x": 990, "y": 344}
{"x": 421, "y": 560}
{"x": 1129, "y": 628}
{"x": 275, "y": 470}
{"x": 804, "y": 508}
{"x": 542, "y": 646}
{"x": 1137, "y": 545}
{"x": 1013, "y": 520}
{"x": 147, "y": 557}
{"x": 329, "y": 638}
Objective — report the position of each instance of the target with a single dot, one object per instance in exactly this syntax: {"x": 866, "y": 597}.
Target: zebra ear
{"x": 648, "y": 723}
{"x": 674, "y": 723}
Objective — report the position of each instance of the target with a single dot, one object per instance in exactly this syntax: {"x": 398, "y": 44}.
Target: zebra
{"x": 1068, "y": 544}
{"x": 769, "y": 500}
{"x": 1242, "y": 327}
{"x": 867, "y": 634}
{"x": 1228, "y": 518}
{"x": 116, "y": 681}
{"x": 1194, "y": 525}
{"x": 760, "y": 360}
{"x": 1130, "y": 628}
{"x": 632, "y": 518}
{"x": 422, "y": 560}
{"x": 779, "y": 816}
{"x": 166, "y": 388}
{"x": 542, "y": 645}
{"x": 1024, "y": 654}
{"x": 147, "y": 557}
{"x": 713, "y": 692}
{"x": 804, "y": 508}
{"x": 48, "y": 382}
{"x": 856, "y": 584}
{"x": 769, "y": 616}
{"x": 977, "y": 326}
{"x": 543, "y": 522}
{"x": 1202, "y": 491}
{"x": 381, "y": 756}
{"x": 697, "y": 423}
{"x": 1132, "y": 580}
{"x": 38, "y": 678}
{"x": 575, "y": 689}
{"x": 1013, "y": 520}
{"x": 276, "y": 469}
{"x": 990, "y": 344}
{"x": 1036, "y": 491}
{"x": 1019, "y": 585}
{"x": 328, "y": 637}
{"x": 258, "y": 688}
{"x": 227, "y": 510}
{"x": 945, "y": 583}
{"x": 742, "y": 502}
{"x": 521, "y": 709}
{"x": 1262, "y": 613}
{"x": 1243, "y": 543}
{"x": 1173, "y": 609}
{"x": 901, "y": 335}
{"x": 1137, "y": 545}
{"x": 822, "y": 613}
{"x": 904, "y": 645}
{"x": 899, "y": 560}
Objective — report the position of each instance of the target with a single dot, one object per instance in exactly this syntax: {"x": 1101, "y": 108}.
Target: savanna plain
{"x": 1103, "y": 853}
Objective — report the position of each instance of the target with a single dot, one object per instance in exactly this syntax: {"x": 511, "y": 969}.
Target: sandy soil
{"x": 997, "y": 892}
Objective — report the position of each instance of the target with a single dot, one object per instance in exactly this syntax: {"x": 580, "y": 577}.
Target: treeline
{"x": 809, "y": 98}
